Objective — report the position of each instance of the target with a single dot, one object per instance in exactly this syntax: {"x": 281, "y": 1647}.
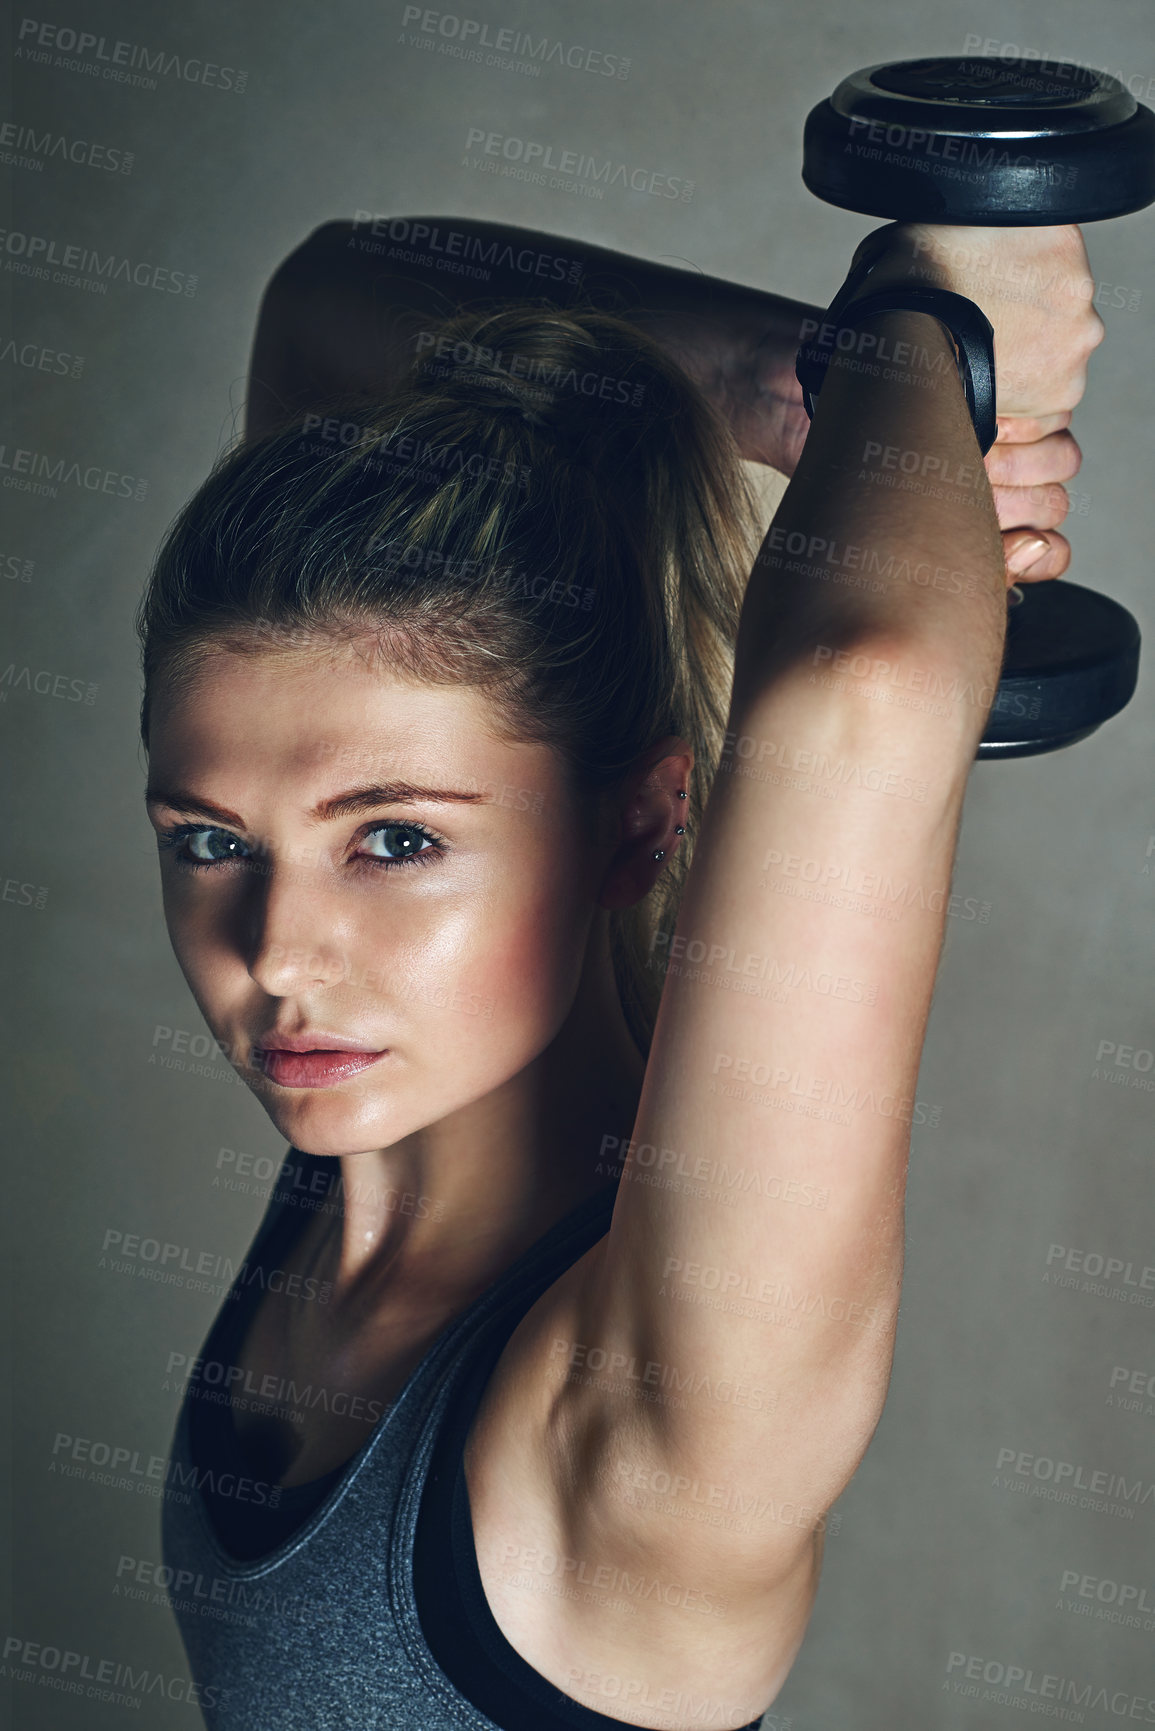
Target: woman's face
{"x": 390, "y": 874}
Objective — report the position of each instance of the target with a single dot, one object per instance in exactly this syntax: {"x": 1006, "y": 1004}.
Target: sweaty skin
{"x": 302, "y": 931}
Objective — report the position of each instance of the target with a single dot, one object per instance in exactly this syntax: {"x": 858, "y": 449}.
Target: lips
{"x": 312, "y": 1040}
{"x": 317, "y": 1059}
{"x": 314, "y": 1069}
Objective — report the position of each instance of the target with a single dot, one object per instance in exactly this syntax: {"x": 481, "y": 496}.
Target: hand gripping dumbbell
{"x": 990, "y": 143}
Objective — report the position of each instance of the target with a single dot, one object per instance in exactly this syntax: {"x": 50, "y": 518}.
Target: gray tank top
{"x": 322, "y": 1633}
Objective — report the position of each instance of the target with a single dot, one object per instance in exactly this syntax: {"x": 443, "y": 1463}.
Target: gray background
{"x": 933, "y": 1557}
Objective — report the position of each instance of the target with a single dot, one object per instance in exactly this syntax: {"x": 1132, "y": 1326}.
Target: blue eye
{"x": 205, "y": 847}
{"x": 199, "y": 845}
{"x": 401, "y": 842}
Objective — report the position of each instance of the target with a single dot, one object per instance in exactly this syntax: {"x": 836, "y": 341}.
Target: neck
{"x": 485, "y": 1183}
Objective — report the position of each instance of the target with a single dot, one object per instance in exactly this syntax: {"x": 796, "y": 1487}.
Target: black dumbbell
{"x": 1016, "y": 144}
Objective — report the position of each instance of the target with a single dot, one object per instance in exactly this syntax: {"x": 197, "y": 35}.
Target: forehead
{"x": 301, "y": 713}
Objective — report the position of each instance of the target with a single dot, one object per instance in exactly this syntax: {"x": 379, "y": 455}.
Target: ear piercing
{"x": 679, "y": 829}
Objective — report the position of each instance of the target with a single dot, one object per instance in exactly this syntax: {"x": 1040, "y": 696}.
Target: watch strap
{"x": 967, "y": 325}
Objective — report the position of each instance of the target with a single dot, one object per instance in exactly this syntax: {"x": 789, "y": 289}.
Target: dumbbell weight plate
{"x": 1025, "y": 144}
{"x": 1071, "y": 662}
{"x": 981, "y": 142}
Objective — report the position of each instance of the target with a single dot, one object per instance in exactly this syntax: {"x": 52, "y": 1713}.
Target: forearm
{"x": 344, "y": 312}
{"x": 886, "y": 535}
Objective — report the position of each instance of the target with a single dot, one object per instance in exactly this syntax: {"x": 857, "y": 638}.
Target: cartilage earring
{"x": 679, "y": 829}
{"x": 682, "y": 794}
{"x": 660, "y": 854}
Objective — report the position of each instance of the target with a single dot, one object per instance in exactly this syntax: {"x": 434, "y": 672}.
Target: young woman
{"x": 521, "y": 839}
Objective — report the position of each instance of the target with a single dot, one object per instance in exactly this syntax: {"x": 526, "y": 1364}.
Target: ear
{"x": 650, "y": 811}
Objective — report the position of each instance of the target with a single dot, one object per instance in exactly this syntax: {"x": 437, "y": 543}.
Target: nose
{"x": 291, "y": 943}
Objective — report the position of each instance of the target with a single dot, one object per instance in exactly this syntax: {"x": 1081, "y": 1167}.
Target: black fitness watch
{"x": 966, "y": 324}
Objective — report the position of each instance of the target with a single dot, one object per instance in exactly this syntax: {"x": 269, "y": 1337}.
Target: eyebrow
{"x": 326, "y": 810}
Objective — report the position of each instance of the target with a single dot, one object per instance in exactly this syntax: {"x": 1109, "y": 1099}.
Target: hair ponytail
{"x": 547, "y": 507}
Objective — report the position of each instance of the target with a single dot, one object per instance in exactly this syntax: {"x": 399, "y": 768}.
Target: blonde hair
{"x": 546, "y": 508}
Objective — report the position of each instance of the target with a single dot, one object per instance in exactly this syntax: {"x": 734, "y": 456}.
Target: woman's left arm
{"x": 735, "y": 1327}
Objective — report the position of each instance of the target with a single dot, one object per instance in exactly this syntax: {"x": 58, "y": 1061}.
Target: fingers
{"x": 1034, "y": 463}
{"x": 1027, "y": 483}
{"x": 1039, "y": 508}
{"x": 1026, "y": 429}
{"x": 1050, "y": 559}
